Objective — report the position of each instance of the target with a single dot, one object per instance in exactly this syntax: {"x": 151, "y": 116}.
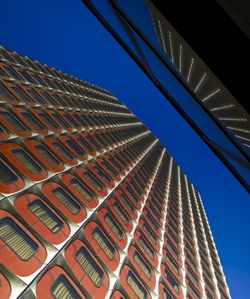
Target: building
{"x": 207, "y": 89}
{"x": 91, "y": 204}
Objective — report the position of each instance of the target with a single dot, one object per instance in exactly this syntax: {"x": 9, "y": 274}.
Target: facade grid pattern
{"x": 91, "y": 204}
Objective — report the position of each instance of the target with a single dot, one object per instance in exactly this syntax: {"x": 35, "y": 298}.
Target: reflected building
{"x": 185, "y": 80}
{"x": 91, "y": 204}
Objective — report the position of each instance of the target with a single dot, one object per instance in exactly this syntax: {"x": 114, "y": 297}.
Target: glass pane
{"x": 62, "y": 288}
{"x": 16, "y": 239}
{"x": 66, "y": 200}
{"x": 6, "y": 175}
{"x": 27, "y": 161}
{"x": 89, "y": 266}
{"x": 44, "y": 214}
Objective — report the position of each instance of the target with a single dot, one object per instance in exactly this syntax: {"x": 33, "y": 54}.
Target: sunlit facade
{"x": 91, "y": 204}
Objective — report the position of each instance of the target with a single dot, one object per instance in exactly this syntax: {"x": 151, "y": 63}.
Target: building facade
{"x": 91, "y": 204}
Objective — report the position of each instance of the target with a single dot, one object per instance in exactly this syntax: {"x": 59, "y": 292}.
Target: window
{"x": 102, "y": 174}
{"x": 85, "y": 144}
{"x": 62, "y": 150}
{"x": 82, "y": 189}
{"x": 47, "y": 120}
{"x": 149, "y": 232}
{"x": 21, "y": 94}
{"x": 6, "y": 175}
{"x": 171, "y": 280}
{"x": 13, "y": 121}
{"x": 59, "y": 119}
{"x": 24, "y": 158}
{"x": 92, "y": 180}
{"x": 127, "y": 202}
{"x": 70, "y": 119}
{"x": 152, "y": 221}
{"x": 31, "y": 119}
{"x": 142, "y": 264}
{"x": 166, "y": 294}
{"x": 12, "y": 72}
{"x": 139, "y": 191}
{"x": 26, "y": 76}
{"x": 47, "y": 155}
{"x": 172, "y": 263}
{"x": 16, "y": 239}
{"x": 62, "y": 288}
{"x": 131, "y": 193}
{"x": 44, "y": 214}
{"x": 114, "y": 226}
{"x": 90, "y": 267}
{"x": 37, "y": 96}
{"x": 93, "y": 141}
{"x": 109, "y": 168}
{"x": 136, "y": 286}
{"x": 66, "y": 200}
{"x": 112, "y": 160}
{"x": 121, "y": 212}
{"x": 75, "y": 147}
{"x": 103, "y": 243}
{"x": 146, "y": 247}
{"x": 193, "y": 291}
{"x": 192, "y": 275}
{"x": 4, "y": 91}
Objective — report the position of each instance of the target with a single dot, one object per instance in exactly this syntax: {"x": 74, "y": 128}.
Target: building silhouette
{"x": 91, "y": 204}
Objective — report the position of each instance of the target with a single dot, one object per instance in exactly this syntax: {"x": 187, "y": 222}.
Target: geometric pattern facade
{"x": 91, "y": 204}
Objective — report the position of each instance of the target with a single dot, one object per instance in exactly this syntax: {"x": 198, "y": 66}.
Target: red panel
{"x": 22, "y": 131}
{"x": 32, "y": 143}
{"x": 177, "y": 292}
{"x": 19, "y": 111}
{"x": 8, "y": 148}
{"x": 12, "y": 261}
{"x": 109, "y": 169}
{"x": 70, "y": 257}
{"x": 102, "y": 191}
{"x": 126, "y": 204}
{"x": 22, "y": 206}
{"x": 87, "y": 147}
{"x": 127, "y": 226}
{"x": 53, "y": 115}
{"x": 110, "y": 157}
{"x": 3, "y": 133}
{"x": 11, "y": 97}
{"x": 79, "y": 213}
{"x": 178, "y": 263}
{"x": 163, "y": 289}
{"x": 101, "y": 216}
{"x": 67, "y": 179}
{"x": 44, "y": 287}
{"x": 54, "y": 128}
{"x": 123, "y": 279}
{"x": 49, "y": 140}
{"x": 5, "y": 288}
{"x": 117, "y": 295}
{"x": 112, "y": 264}
{"x": 13, "y": 186}
{"x": 153, "y": 260}
{"x": 154, "y": 243}
{"x": 157, "y": 230}
{"x": 101, "y": 174}
{"x": 132, "y": 194}
{"x": 77, "y": 150}
{"x": 150, "y": 281}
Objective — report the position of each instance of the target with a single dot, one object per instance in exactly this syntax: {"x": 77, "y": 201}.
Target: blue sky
{"x": 65, "y": 35}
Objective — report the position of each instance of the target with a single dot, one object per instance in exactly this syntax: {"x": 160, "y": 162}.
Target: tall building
{"x": 91, "y": 204}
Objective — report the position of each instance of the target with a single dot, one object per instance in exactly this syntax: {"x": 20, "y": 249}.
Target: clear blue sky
{"x": 65, "y": 35}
